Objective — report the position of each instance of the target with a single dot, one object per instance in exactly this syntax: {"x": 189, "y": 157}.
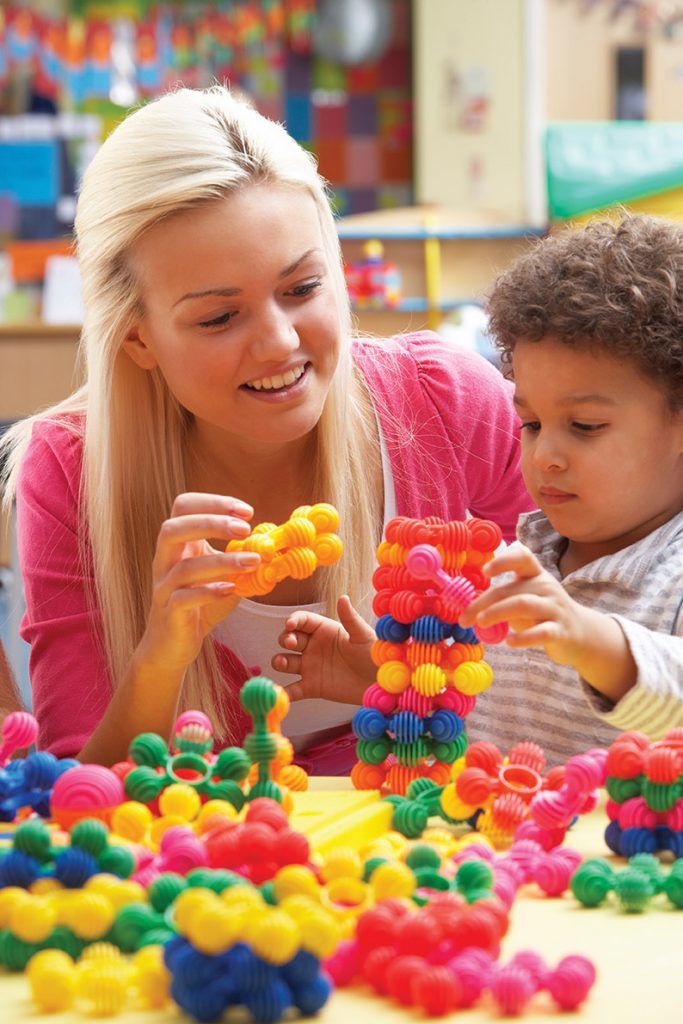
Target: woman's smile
{"x": 280, "y": 386}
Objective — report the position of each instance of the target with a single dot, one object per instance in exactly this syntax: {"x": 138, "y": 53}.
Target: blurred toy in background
{"x": 373, "y": 283}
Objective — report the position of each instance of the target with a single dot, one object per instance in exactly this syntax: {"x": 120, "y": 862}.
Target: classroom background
{"x": 453, "y": 134}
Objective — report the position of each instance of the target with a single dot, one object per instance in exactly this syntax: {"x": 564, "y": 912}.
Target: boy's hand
{"x": 332, "y": 659}
{"x": 542, "y": 614}
{"x": 538, "y": 609}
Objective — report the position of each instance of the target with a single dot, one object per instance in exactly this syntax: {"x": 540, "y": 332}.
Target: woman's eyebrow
{"x": 226, "y": 293}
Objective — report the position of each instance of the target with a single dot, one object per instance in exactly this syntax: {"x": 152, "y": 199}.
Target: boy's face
{"x": 602, "y": 455}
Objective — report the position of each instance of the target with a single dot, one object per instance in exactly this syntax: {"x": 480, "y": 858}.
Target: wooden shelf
{"x": 37, "y": 329}
{"x": 38, "y": 366}
{"x": 447, "y": 258}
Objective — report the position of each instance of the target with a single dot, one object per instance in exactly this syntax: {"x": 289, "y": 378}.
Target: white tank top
{"x": 252, "y": 631}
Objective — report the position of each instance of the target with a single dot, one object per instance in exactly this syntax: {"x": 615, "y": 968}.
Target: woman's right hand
{"x": 190, "y": 590}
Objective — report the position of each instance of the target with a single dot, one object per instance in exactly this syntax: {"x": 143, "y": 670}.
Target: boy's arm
{"x": 542, "y": 614}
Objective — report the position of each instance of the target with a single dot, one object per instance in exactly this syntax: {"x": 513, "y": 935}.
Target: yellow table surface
{"x": 639, "y": 960}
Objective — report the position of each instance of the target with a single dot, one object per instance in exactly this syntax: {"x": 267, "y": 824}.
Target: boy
{"x": 590, "y": 326}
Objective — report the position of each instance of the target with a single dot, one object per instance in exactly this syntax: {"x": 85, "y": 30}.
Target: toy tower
{"x": 429, "y": 669}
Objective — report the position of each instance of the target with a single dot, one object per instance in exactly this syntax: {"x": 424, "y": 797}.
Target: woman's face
{"x": 241, "y": 315}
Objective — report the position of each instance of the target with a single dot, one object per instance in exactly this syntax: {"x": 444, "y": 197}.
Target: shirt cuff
{"x": 648, "y": 706}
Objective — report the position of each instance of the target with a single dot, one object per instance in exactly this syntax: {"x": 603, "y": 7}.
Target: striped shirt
{"x": 532, "y": 698}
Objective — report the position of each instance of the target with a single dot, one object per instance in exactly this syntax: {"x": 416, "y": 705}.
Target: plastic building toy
{"x": 581, "y": 778}
{"x": 645, "y": 787}
{"x": 373, "y": 283}
{"x": 444, "y": 957}
{"x": 100, "y": 982}
{"x": 222, "y": 777}
{"x": 27, "y": 783}
{"x": 234, "y": 949}
{"x": 455, "y": 593}
{"x": 296, "y": 548}
{"x": 34, "y": 856}
{"x": 634, "y": 886}
{"x": 282, "y": 771}
{"x": 429, "y": 669}
{"x": 86, "y": 791}
{"x": 502, "y": 789}
{"x": 19, "y": 729}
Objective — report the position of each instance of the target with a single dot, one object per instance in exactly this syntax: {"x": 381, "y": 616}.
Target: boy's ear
{"x": 138, "y": 349}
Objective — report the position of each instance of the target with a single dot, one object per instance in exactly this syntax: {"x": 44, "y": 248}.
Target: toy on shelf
{"x": 296, "y": 548}
{"x": 645, "y": 788}
{"x": 429, "y": 669}
{"x": 373, "y": 283}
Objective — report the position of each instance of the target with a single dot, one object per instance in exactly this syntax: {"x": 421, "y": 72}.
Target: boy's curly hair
{"x": 614, "y": 287}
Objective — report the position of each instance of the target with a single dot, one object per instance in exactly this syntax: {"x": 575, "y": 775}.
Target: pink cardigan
{"x": 452, "y": 438}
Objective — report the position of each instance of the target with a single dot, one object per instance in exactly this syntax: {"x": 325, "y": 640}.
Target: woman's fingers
{"x": 209, "y": 568}
{"x": 219, "y": 504}
{"x": 178, "y": 531}
{"x": 191, "y": 598}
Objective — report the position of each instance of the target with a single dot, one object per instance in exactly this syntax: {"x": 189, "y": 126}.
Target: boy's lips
{"x": 554, "y": 496}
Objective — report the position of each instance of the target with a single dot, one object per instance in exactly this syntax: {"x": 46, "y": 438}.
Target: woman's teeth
{"x": 280, "y": 380}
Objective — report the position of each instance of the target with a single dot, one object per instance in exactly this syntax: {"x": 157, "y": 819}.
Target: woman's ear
{"x": 138, "y": 349}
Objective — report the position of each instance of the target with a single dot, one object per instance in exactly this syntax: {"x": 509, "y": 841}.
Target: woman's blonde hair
{"x": 185, "y": 149}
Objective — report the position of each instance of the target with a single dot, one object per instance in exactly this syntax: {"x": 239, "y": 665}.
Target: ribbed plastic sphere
{"x": 87, "y": 791}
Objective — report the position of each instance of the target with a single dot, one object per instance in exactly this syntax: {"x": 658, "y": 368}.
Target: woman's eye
{"x": 300, "y": 291}
{"x": 532, "y": 425}
{"x": 218, "y": 321}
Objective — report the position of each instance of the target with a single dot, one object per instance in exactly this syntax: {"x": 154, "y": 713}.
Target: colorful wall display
{"x": 105, "y": 57}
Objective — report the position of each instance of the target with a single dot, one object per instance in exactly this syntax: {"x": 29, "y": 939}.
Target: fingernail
{"x": 242, "y": 509}
{"x": 248, "y": 559}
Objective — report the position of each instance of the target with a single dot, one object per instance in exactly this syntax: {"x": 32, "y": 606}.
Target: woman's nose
{"x": 275, "y": 335}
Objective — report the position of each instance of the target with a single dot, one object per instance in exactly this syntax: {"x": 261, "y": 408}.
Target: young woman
{"x": 223, "y": 388}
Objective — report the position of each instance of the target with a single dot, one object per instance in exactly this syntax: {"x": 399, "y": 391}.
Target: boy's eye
{"x": 218, "y": 321}
{"x": 588, "y": 428}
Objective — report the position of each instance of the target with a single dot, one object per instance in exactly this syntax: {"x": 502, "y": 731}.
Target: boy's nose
{"x": 548, "y": 455}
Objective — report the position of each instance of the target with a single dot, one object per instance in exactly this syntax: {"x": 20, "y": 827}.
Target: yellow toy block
{"x": 340, "y": 818}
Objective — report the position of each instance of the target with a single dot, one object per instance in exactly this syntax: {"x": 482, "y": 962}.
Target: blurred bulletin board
{"x": 104, "y": 58}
